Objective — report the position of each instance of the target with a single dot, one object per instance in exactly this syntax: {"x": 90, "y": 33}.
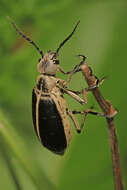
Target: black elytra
{"x": 50, "y": 125}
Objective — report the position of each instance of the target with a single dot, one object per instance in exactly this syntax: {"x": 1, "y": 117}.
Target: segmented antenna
{"x": 70, "y": 35}
{"x": 24, "y": 36}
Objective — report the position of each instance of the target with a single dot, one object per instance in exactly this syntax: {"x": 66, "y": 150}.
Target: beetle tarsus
{"x": 83, "y": 57}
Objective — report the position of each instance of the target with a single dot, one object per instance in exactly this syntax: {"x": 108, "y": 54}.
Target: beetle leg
{"x": 84, "y": 114}
{"x": 89, "y": 111}
{"x": 71, "y": 73}
{"x": 76, "y": 69}
{"x": 75, "y": 121}
{"x": 84, "y": 92}
{"x": 101, "y": 113}
{"x": 75, "y": 96}
{"x": 68, "y": 72}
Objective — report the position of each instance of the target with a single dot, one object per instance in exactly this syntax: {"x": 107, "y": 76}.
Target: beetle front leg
{"x": 68, "y": 72}
{"x": 71, "y": 73}
{"x": 75, "y": 70}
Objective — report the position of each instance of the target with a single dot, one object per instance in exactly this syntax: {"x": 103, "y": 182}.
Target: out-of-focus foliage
{"x": 102, "y": 37}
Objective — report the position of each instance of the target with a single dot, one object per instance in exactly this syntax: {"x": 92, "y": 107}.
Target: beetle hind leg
{"x": 75, "y": 121}
{"x": 89, "y": 111}
{"x": 84, "y": 115}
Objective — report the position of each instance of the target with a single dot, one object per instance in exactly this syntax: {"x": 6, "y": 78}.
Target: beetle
{"x": 49, "y": 109}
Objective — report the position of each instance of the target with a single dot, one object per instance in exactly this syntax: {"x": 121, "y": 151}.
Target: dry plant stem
{"x": 110, "y": 112}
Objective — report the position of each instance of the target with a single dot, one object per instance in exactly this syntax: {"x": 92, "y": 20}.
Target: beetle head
{"x": 48, "y": 64}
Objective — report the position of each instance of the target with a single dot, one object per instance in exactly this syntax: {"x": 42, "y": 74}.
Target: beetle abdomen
{"x": 48, "y": 124}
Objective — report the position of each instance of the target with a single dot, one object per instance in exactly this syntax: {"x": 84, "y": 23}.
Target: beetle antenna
{"x": 70, "y": 35}
{"x": 24, "y": 36}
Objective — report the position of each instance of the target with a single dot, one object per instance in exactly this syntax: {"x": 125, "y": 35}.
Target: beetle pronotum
{"x": 49, "y": 109}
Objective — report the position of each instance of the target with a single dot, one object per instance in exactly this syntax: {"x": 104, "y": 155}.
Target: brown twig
{"x": 109, "y": 112}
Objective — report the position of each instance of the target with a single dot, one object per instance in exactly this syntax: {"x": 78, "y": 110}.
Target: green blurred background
{"x": 102, "y": 37}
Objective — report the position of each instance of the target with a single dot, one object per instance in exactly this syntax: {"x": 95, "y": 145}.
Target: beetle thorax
{"x": 48, "y": 64}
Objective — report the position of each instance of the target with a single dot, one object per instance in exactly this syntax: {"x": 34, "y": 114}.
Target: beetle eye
{"x": 39, "y": 60}
{"x": 56, "y": 62}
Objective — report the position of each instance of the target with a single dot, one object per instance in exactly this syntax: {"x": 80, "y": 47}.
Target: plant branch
{"x": 109, "y": 112}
